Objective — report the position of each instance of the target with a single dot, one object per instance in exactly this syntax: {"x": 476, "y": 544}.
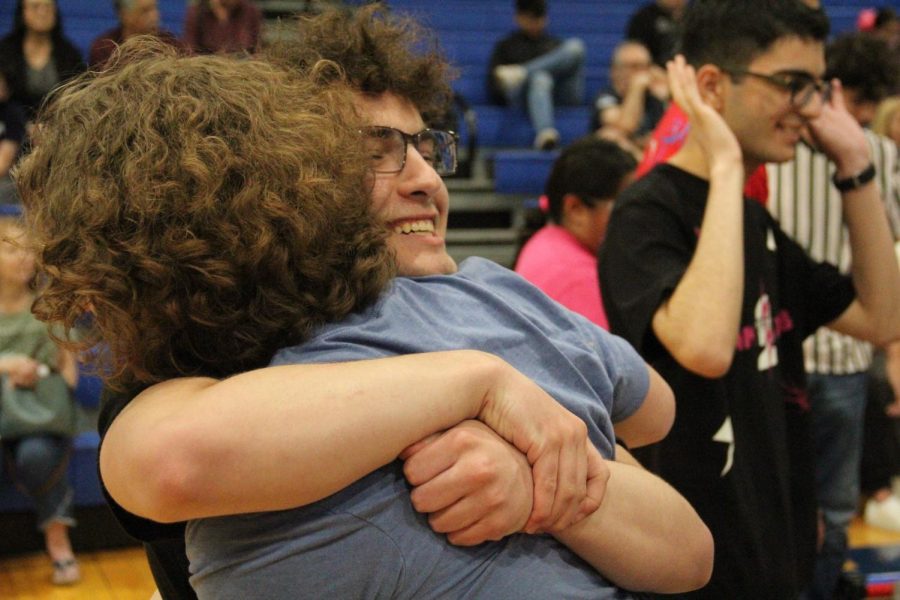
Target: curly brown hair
{"x": 204, "y": 211}
{"x": 378, "y": 52}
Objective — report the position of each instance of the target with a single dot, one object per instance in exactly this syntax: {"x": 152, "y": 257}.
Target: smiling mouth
{"x": 420, "y": 227}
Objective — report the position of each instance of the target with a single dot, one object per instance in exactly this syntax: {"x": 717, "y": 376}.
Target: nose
{"x": 418, "y": 179}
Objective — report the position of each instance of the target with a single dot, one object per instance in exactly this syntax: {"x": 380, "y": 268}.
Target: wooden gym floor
{"x": 124, "y": 575}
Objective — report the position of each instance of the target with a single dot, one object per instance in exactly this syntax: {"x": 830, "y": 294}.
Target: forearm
{"x": 284, "y": 436}
{"x": 892, "y": 367}
{"x": 8, "y": 150}
{"x": 876, "y": 276}
{"x": 645, "y": 536}
{"x": 631, "y": 111}
{"x": 698, "y": 324}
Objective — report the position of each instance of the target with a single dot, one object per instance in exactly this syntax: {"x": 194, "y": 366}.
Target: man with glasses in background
{"x": 719, "y": 299}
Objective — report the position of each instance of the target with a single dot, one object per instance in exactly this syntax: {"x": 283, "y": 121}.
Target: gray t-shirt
{"x": 367, "y": 541}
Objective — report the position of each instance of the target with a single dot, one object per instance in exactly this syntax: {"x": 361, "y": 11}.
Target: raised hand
{"x": 839, "y": 136}
{"x": 707, "y": 126}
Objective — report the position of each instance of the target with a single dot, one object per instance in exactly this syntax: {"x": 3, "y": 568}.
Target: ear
{"x": 712, "y": 81}
{"x": 571, "y": 204}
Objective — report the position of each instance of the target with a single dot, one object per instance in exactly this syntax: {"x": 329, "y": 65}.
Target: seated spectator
{"x": 533, "y": 69}
{"x": 36, "y": 56}
{"x": 136, "y": 17}
{"x": 30, "y": 361}
{"x": 12, "y": 133}
{"x": 656, "y": 26}
{"x": 306, "y": 154}
{"x": 227, "y": 26}
{"x": 636, "y": 101}
{"x": 561, "y": 257}
{"x": 887, "y": 119}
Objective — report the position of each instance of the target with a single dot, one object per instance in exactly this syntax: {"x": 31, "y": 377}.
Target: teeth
{"x": 423, "y": 226}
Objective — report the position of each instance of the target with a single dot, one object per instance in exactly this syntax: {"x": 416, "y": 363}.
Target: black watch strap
{"x": 856, "y": 181}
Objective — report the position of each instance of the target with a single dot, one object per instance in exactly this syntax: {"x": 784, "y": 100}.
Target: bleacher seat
{"x": 522, "y": 171}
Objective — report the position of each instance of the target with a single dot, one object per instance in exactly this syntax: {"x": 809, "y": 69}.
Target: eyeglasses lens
{"x": 803, "y": 91}
{"x": 386, "y": 148}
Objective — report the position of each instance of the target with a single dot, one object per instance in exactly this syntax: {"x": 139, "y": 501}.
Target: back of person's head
{"x": 732, "y": 33}
{"x": 532, "y": 8}
{"x": 377, "y": 51}
{"x": 885, "y": 16}
{"x": 205, "y": 211}
{"x": 864, "y": 64}
{"x": 592, "y": 169}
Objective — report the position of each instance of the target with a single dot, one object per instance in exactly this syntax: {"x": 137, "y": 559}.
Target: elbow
{"x": 709, "y": 361}
{"x": 694, "y": 568}
{"x": 702, "y": 553}
{"x": 885, "y": 336}
{"x": 158, "y": 479}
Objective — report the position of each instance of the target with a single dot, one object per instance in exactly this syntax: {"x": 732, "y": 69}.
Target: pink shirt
{"x": 565, "y": 270}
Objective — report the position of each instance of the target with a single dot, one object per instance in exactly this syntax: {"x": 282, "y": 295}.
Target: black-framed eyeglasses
{"x": 386, "y": 147}
{"x": 802, "y": 86}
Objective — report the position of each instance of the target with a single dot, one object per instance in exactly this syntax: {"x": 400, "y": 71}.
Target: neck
{"x": 34, "y": 37}
{"x": 692, "y": 158}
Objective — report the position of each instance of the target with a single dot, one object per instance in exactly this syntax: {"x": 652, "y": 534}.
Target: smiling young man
{"x": 713, "y": 294}
{"x": 284, "y": 437}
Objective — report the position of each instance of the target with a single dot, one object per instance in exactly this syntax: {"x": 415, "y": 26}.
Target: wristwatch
{"x": 856, "y": 181}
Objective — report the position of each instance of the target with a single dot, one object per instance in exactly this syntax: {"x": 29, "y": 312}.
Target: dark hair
{"x": 884, "y": 16}
{"x": 535, "y": 8}
{"x": 591, "y": 168}
{"x": 377, "y": 52}
{"x": 18, "y": 30}
{"x": 731, "y": 33}
{"x": 206, "y": 211}
{"x": 864, "y": 64}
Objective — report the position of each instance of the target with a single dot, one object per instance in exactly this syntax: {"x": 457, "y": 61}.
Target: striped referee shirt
{"x": 808, "y": 207}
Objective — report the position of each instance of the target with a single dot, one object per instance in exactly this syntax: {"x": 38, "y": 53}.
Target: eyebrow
{"x": 798, "y": 73}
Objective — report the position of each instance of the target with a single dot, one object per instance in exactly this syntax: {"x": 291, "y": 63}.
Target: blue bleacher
{"x": 84, "y": 20}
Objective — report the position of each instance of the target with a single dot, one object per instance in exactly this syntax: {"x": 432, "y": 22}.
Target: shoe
{"x": 546, "y": 139}
{"x": 510, "y": 76}
{"x": 884, "y": 514}
{"x": 66, "y": 572}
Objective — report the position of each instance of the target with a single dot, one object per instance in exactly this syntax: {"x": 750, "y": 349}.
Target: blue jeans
{"x": 838, "y": 410}
{"x": 556, "y": 77}
{"x": 39, "y": 465}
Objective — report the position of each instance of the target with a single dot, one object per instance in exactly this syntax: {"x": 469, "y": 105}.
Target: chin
{"x": 420, "y": 266}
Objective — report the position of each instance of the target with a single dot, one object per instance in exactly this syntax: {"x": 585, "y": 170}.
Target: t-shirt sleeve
{"x": 644, "y": 256}
{"x": 628, "y": 374}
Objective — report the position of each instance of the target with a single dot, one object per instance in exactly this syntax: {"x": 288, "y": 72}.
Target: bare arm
{"x": 892, "y": 373}
{"x": 875, "y": 314}
{"x": 653, "y": 420}
{"x": 286, "y": 436}
{"x": 8, "y": 150}
{"x": 645, "y": 536}
{"x": 627, "y": 116}
{"x": 698, "y": 323}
